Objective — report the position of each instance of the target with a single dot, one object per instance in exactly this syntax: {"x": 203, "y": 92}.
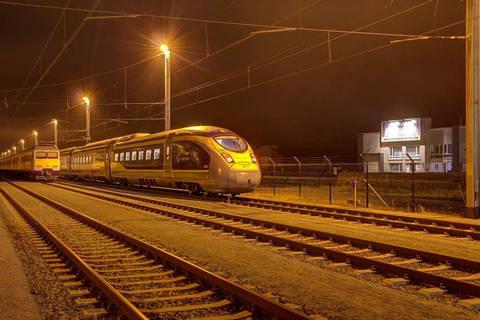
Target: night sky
{"x": 310, "y": 113}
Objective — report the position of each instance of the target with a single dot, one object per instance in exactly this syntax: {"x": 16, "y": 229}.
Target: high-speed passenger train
{"x": 200, "y": 159}
{"x": 39, "y": 163}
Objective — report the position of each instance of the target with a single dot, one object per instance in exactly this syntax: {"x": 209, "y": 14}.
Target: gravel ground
{"x": 51, "y": 295}
{"x": 336, "y": 294}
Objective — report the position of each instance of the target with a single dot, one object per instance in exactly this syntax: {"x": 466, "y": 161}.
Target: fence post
{"x": 329, "y": 179}
{"x": 365, "y": 161}
{"x": 412, "y": 163}
{"x": 274, "y": 174}
{"x": 299, "y": 176}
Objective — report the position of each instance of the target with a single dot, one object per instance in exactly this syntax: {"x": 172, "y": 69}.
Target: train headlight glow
{"x": 254, "y": 159}
{"x": 228, "y": 158}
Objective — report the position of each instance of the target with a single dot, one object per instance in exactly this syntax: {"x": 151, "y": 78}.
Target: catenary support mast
{"x": 472, "y": 107}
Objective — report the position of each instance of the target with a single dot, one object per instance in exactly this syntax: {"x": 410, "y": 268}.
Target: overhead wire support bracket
{"x": 273, "y": 31}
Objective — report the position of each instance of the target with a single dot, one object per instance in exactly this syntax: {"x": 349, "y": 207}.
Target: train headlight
{"x": 228, "y": 158}
{"x": 254, "y": 159}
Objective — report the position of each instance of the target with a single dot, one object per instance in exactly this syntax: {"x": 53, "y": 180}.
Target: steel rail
{"x": 434, "y": 226}
{"x": 120, "y": 301}
{"x": 248, "y": 297}
{"x": 367, "y": 214}
{"x": 451, "y": 284}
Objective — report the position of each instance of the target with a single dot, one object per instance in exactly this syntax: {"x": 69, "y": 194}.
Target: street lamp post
{"x": 166, "y": 54}
{"x": 35, "y": 137}
{"x": 22, "y": 143}
{"x": 55, "y": 131}
{"x": 86, "y": 100}
{"x": 14, "y": 149}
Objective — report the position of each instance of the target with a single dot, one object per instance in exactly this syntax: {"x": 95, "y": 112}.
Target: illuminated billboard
{"x": 401, "y": 130}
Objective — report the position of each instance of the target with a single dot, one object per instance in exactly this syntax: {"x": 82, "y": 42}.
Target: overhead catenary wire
{"x": 211, "y": 21}
{"x": 239, "y": 73}
{"x": 57, "y": 56}
{"x": 233, "y": 44}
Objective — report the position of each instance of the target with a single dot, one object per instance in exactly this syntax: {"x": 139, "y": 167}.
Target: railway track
{"x": 135, "y": 279}
{"x": 400, "y": 265}
{"x": 433, "y": 226}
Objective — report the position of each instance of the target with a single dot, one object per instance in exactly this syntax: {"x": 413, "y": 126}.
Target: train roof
{"x": 102, "y": 143}
{"x": 205, "y": 131}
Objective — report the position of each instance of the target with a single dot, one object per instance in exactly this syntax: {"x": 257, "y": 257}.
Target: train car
{"x": 39, "y": 163}
{"x": 91, "y": 161}
{"x": 200, "y": 159}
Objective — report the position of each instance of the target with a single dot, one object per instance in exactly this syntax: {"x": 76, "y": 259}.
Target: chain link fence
{"x": 346, "y": 181}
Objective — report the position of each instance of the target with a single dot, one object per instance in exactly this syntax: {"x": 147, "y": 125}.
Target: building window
{"x": 116, "y": 157}
{"x": 148, "y": 154}
{"x": 134, "y": 155}
{"x": 414, "y": 151}
{"x": 396, "y": 153}
{"x": 122, "y": 156}
{"x": 140, "y": 155}
{"x": 127, "y": 156}
{"x": 395, "y": 167}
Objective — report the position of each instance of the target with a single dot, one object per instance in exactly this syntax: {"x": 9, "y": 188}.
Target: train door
{"x": 168, "y": 156}
{"x": 108, "y": 168}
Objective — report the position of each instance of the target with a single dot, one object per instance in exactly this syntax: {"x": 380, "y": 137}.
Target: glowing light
{"x": 22, "y": 141}
{"x": 86, "y": 100}
{"x": 165, "y": 50}
{"x": 35, "y": 133}
{"x": 54, "y": 121}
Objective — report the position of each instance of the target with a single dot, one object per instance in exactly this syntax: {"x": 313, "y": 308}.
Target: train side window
{"x": 116, "y": 157}
{"x": 140, "y": 154}
{"x": 89, "y": 159}
{"x": 134, "y": 155}
{"x": 53, "y": 155}
{"x": 188, "y": 155}
{"x": 148, "y": 154}
{"x": 156, "y": 154}
{"x": 122, "y": 156}
{"x": 127, "y": 156}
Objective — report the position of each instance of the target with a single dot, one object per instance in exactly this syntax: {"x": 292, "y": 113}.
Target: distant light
{"x": 22, "y": 141}
{"x": 54, "y": 121}
{"x": 86, "y": 101}
{"x": 165, "y": 50}
{"x": 35, "y": 133}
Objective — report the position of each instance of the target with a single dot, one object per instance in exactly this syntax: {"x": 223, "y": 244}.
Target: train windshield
{"x": 45, "y": 155}
{"x": 232, "y": 143}
{"x": 41, "y": 155}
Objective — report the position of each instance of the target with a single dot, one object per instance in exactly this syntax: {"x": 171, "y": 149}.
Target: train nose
{"x": 246, "y": 178}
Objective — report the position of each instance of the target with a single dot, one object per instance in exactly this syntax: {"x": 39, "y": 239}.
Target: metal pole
{"x": 355, "y": 192}
{"x": 366, "y": 180}
{"x": 274, "y": 174}
{"x": 167, "y": 92}
{"x": 412, "y": 163}
{"x": 87, "y": 122}
{"x": 330, "y": 173}
{"x": 55, "y": 132}
{"x": 299, "y": 176}
{"x": 472, "y": 107}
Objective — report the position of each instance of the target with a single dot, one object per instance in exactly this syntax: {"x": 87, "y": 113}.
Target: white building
{"x": 431, "y": 149}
